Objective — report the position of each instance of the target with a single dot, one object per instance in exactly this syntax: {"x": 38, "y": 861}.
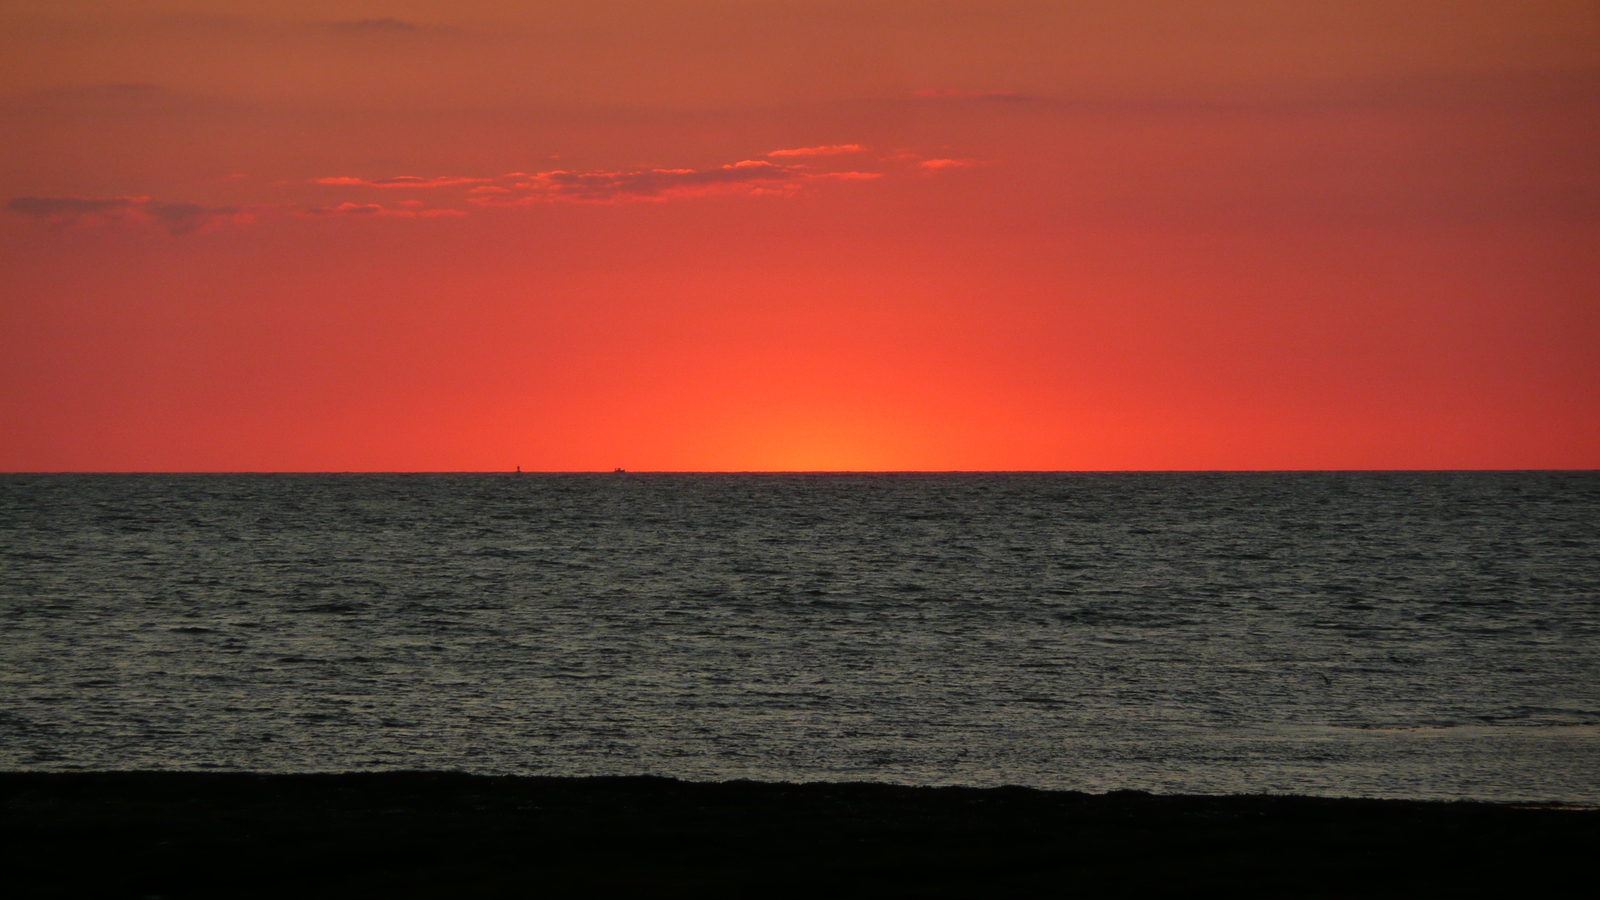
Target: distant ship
{"x": 621, "y": 471}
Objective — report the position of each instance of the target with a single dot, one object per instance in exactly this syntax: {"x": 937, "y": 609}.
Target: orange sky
{"x": 868, "y": 235}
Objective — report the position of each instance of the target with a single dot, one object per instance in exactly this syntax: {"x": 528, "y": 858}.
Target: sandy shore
{"x": 449, "y": 835}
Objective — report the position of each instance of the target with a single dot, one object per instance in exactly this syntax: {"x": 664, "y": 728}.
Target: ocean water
{"x": 1353, "y": 634}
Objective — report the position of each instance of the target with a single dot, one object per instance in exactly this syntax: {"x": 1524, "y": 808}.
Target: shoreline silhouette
{"x": 415, "y": 834}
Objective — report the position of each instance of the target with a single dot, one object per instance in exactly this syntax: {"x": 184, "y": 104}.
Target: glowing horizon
{"x": 799, "y": 236}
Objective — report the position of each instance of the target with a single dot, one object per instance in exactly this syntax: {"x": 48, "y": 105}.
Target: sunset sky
{"x": 442, "y": 236}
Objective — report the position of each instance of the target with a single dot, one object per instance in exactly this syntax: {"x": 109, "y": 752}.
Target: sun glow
{"x": 799, "y": 236}
{"x": 823, "y": 446}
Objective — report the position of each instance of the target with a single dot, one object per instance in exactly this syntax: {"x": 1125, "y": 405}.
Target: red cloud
{"x": 373, "y": 209}
{"x": 829, "y": 150}
{"x": 400, "y": 181}
{"x": 750, "y": 177}
{"x": 747, "y": 176}
{"x": 176, "y": 218}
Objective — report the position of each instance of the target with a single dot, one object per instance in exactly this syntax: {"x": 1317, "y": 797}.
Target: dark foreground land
{"x": 418, "y": 834}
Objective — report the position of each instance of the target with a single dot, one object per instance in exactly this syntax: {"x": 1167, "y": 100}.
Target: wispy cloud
{"x": 398, "y": 181}
{"x": 934, "y": 165}
{"x": 176, "y": 218}
{"x": 182, "y": 218}
{"x": 828, "y": 150}
{"x": 388, "y": 28}
{"x": 750, "y": 177}
{"x": 374, "y": 210}
{"x": 779, "y": 174}
{"x": 747, "y": 177}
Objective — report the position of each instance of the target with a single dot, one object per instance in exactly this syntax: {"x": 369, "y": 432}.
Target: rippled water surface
{"x": 1406, "y": 635}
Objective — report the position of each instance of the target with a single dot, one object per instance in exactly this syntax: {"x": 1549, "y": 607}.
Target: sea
{"x": 1414, "y": 635}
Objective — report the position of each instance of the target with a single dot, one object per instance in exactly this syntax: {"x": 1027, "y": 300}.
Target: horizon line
{"x": 514, "y": 472}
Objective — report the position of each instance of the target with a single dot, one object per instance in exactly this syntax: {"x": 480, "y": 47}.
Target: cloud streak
{"x": 176, "y": 218}
{"x": 398, "y": 181}
{"x": 374, "y": 210}
{"x": 182, "y": 218}
{"x": 751, "y": 177}
{"x": 828, "y": 150}
{"x": 388, "y": 28}
{"x": 781, "y": 173}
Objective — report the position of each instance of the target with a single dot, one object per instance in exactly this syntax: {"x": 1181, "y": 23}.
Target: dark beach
{"x": 419, "y": 834}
